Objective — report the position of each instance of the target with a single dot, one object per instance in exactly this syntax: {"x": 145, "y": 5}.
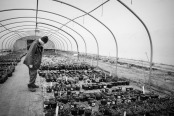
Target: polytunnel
{"x": 113, "y": 51}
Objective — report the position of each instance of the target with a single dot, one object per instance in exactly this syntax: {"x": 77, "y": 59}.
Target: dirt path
{"x": 15, "y": 99}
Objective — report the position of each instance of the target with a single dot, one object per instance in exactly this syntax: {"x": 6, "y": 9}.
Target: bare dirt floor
{"x": 16, "y": 100}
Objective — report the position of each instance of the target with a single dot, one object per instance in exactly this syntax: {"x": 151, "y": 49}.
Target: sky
{"x": 131, "y": 36}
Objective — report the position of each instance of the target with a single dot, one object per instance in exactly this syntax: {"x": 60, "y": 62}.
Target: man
{"x": 33, "y": 60}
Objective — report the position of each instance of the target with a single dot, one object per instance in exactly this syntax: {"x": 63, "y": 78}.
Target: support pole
{"x": 36, "y": 15}
{"x": 151, "y": 45}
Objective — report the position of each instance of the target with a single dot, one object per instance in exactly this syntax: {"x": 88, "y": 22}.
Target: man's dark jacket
{"x": 34, "y": 55}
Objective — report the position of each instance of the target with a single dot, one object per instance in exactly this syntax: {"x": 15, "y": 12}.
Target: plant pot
{"x": 56, "y": 93}
{"x": 49, "y": 89}
{"x": 154, "y": 96}
{"x": 103, "y": 101}
{"x": 144, "y": 97}
{"x": 46, "y": 105}
{"x": 53, "y": 104}
{"x": 98, "y": 96}
{"x": 109, "y": 85}
{"x": 49, "y": 114}
{"x": 107, "y": 112}
{"x": 3, "y": 78}
{"x": 129, "y": 89}
{"x": 74, "y": 111}
{"x": 64, "y": 100}
{"x": 95, "y": 86}
{"x": 81, "y": 111}
{"x": 88, "y": 112}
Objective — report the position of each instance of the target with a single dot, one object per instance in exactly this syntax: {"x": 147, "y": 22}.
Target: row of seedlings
{"x": 8, "y": 63}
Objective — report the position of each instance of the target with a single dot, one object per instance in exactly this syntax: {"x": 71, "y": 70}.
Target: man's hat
{"x": 44, "y": 39}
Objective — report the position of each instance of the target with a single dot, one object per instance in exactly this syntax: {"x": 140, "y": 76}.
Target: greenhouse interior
{"x": 86, "y": 58}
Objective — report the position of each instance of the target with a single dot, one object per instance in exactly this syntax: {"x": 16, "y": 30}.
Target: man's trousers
{"x": 33, "y": 75}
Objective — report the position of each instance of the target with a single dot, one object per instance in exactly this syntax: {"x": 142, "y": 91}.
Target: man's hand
{"x": 30, "y": 66}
